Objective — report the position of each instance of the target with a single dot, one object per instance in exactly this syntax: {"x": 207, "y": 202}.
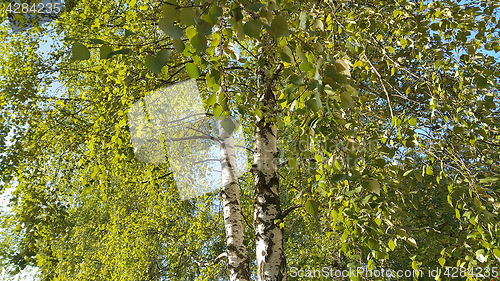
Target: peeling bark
{"x": 271, "y": 261}
{"x": 238, "y": 261}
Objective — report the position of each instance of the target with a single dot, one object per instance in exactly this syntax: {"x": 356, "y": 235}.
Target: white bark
{"x": 271, "y": 261}
{"x": 238, "y": 262}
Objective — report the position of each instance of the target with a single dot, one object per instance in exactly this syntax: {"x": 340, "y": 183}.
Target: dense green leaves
{"x": 386, "y": 113}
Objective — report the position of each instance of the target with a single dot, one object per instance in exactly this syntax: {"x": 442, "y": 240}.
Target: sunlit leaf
{"x": 311, "y": 207}
{"x": 193, "y": 70}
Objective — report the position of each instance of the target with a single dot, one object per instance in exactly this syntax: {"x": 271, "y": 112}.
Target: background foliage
{"x": 387, "y": 122}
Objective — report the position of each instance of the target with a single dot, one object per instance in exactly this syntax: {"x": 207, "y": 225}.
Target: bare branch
{"x": 287, "y": 211}
{"x": 207, "y": 264}
{"x": 383, "y": 86}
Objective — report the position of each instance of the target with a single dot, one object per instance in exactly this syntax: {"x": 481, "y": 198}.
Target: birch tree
{"x": 374, "y": 122}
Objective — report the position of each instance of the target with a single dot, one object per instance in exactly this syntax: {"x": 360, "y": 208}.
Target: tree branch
{"x": 207, "y": 264}
{"x": 289, "y": 210}
{"x": 383, "y": 86}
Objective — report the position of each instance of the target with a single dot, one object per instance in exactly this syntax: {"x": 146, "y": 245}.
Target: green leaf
{"x": 252, "y": 28}
{"x": 306, "y": 66}
{"x": 428, "y": 170}
{"x": 128, "y": 33}
{"x": 170, "y": 13}
{"x": 334, "y": 215}
{"x": 342, "y": 67}
{"x": 97, "y": 41}
{"x": 338, "y": 177}
{"x": 187, "y": 16}
{"x": 179, "y": 45}
{"x": 374, "y": 186}
{"x": 279, "y": 26}
{"x": 153, "y": 64}
{"x": 419, "y": 177}
{"x": 373, "y": 244}
{"x": 407, "y": 172}
{"x": 216, "y": 11}
{"x": 211, "y": 19}
{"x": 170, "y": 29}
{"x": 401, "y": 232}
{"x": 496, "y": 252}
{"x": 212, "y": 99}
{"x": 403, "y": 42}
{"x": 297, "y": 79}
{"x": 412, "y": 241}
{"x": 480, "y": 255}
{"x": 80, "y": 52}
{"x": 318, "y": 24}
{"x": 414, "y": 265}
{"x": 204, "y": 28}
{"x": 392, "y": 245}
{"x": 163, "y": 56}
{"x": 104, "y": 52}
{"x": 346, "y": 100}
{"x": 312, "y": 104}
{"x": 312, "y": 207}
{"x": 286, "y": 54}
{"x": 199, "y": 42}
{"x": 228, "y": 125}
{"x": 413, "y": 121}
{"x": 192, "y": 70}
{"x": 218, "y": 110}
{"x": 254, "y": 7}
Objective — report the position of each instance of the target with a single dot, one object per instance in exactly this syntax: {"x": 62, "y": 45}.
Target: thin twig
{"x": 289, "y": 210}
{"x": 383, "y": 86}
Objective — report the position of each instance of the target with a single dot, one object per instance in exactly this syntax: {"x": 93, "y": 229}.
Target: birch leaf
{"x": 279, "y": 26}
{"x": 192, "y": 70}
{"x": 170, "y": 29}
{"x": 80, "y": 52}
{"x": 312, "y": 207}
{"x": 374, "y": 186}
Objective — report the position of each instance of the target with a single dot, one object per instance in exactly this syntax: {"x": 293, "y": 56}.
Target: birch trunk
{"x": 238, "y": 261}
{"x": 271, "y": 261}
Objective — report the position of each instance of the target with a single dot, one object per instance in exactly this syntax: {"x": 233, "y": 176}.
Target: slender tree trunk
{"x": 271, "y": 261}
{"x": 238, "y": 261}
{"x": 237, "y": 255}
